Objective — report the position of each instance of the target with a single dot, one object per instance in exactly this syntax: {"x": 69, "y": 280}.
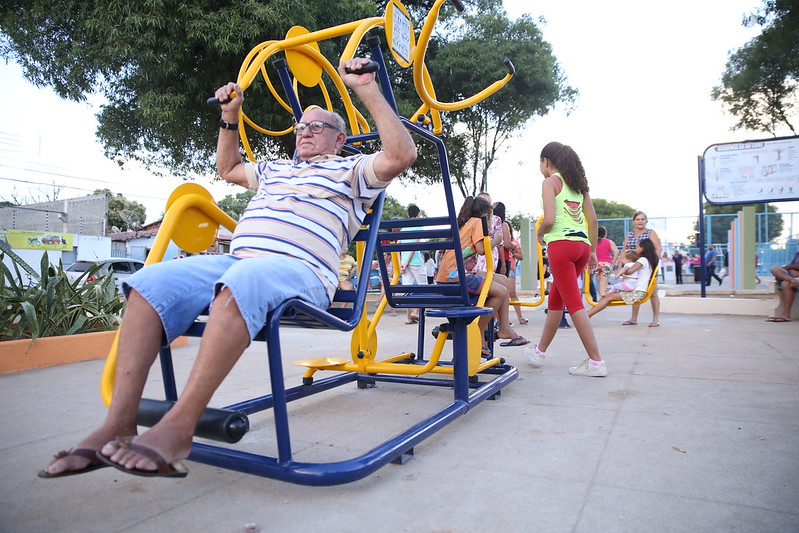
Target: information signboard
{"x": 399, "y": 32}
{"x": 765, "y": 170}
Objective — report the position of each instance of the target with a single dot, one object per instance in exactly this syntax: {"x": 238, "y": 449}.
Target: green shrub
{"x": 46, "y": 304}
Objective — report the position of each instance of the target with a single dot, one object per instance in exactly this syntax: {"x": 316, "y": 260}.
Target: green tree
{"x": 394, "y": 209}
{"x": 606, "y": 209}
{"x": 759, "y": 84}
{"x": 518, "y": 219}
{"x": 768, "y": 229}
{"x": 609, "y": 209}
{"x": 235, "y": 204}
{"x": 156, "y": 63}
{"x": 123, "y": 213}
{"x": 471, "y": 58}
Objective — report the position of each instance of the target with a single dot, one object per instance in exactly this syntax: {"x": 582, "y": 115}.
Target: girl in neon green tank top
{"x": 570, "y": 247}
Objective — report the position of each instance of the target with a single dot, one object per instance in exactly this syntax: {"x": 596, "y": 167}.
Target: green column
{"x": 530, "y": 264}
{"x": 746, "y": 219}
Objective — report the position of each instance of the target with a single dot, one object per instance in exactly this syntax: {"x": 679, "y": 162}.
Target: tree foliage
{"x": 468, "y": 61}
{"x": 155, "y": 63}
{"x": 759, "y": 84}
{"x": 610, "y": 209}
{"x": 618, "y": 213}
{"x": 768, "y": 227}
{"x": 124, "y": 214}
{"x": 235, "y": 204}
{"x": 392, "y": 208}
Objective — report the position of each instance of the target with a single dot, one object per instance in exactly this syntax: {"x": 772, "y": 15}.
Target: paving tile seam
{"x": 714, "y": 417}
{"x": 777, "y": 354}
{"x": 609, "y": 433}
{"x": 744, "y": 378}
{"x": 700, "y": 499}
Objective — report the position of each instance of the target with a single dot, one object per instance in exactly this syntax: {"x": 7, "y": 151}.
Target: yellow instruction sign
{"x": 38, "y": 240}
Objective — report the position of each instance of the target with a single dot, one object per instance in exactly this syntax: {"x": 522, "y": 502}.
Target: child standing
{"x": 570, "y": 246}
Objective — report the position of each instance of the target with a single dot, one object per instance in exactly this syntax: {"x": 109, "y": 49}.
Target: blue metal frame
{"x": 448, "y": 302}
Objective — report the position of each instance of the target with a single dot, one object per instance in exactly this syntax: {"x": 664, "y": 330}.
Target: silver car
{"x": 121, "y": 268}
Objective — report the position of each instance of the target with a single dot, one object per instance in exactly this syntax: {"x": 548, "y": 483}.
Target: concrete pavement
{"x": 695, "y": 429}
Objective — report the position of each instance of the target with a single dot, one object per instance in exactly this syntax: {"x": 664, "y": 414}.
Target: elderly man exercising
{"x": 286, "y": 245}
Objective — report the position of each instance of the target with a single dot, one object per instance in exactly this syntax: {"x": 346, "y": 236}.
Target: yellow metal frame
{"x": 363, "y": 347}
{"x": 190, "y": 212}
{"x": 192, "y": 217}
{"x": 424, "y": 84}
{"x": 586, "y": 277}
{"x": 650, "y": 288}
{"x": 303, "y": 46}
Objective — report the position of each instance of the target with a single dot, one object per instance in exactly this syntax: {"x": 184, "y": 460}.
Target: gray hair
{"x": 339, "y": 122}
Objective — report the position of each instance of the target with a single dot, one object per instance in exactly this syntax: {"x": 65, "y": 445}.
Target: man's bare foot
{"x": 160, "y": 439}
{"x": 71, "y": 462}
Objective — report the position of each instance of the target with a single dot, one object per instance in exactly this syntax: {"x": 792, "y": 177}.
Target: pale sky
{"x": 644, "y": 114}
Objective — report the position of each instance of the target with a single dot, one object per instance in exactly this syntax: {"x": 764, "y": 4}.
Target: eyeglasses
{"x": 316, "y": 126}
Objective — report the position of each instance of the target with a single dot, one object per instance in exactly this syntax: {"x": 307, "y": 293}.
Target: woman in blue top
{"x": 570, "y": 246}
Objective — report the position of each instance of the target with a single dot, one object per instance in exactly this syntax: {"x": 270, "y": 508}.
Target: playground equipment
{"x": 192, "y": 218}
{"x": 651, "y": 287}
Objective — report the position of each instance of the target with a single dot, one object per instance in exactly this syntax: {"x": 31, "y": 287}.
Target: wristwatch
{"x": 228, "y": 125}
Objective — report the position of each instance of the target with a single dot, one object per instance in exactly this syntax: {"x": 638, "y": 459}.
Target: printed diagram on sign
{"x": 752, "y": 171}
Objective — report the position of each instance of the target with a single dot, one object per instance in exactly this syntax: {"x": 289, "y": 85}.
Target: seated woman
{"x": 643, "y": 266}
{"x": 471, "y": 236}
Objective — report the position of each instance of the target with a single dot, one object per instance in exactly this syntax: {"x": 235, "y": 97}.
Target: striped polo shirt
{"x": 307, "y": 209}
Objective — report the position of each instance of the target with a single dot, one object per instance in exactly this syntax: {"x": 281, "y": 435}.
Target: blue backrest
{"x": 418, "y": 235}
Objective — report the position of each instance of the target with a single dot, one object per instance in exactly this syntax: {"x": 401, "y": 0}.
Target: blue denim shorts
{"x": 181, "y": 289}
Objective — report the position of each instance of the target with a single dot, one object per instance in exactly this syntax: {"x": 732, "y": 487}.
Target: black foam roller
{"x": 216, "y": 424}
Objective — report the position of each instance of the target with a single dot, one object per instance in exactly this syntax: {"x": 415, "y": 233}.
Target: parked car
{"x": 121, "y": 268}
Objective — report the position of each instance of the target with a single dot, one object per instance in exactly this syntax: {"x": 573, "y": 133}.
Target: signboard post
{"x": 748, "y": 172}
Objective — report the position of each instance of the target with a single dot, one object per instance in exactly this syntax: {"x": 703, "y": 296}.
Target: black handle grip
{"x": 214, "y": 100}
{"x": 509, "y": 66}
{"x": 371, "y": 66}
{"x": 484, "y": 220}
{"x": 458, "y": 5}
